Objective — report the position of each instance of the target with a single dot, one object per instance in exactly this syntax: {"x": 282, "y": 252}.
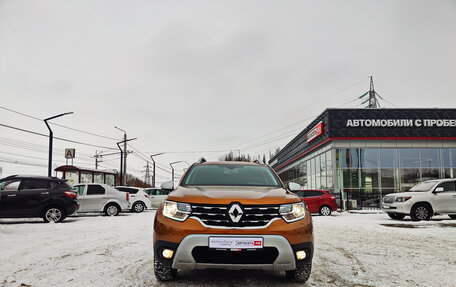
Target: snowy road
{"x": 351, "y": 250}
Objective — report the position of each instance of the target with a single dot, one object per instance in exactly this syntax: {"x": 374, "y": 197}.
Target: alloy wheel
{"x": 53, "y": 214}
{"x": 139, "y": 207}
{"x": 111, "y": 210}
{"x": 421, "y": 212}
{"x": 325, "y": 211}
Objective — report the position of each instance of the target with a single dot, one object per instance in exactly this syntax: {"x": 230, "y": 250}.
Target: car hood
{"x": 228, "y": 194}
{"x": 411, "y": 193}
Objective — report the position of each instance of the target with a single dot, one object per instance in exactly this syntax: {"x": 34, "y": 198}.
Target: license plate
{"x": 386, "y": 206}
{"x": 235, "y": 243}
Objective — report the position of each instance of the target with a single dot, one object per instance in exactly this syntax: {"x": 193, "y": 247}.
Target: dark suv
{"x": 37, "y": 196}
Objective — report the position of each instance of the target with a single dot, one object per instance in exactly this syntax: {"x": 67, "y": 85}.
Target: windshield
{"x": 424, "y": 186}
{"x": 229, "y": 174}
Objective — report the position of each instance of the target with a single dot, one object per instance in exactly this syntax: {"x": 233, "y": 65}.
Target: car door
{"x": 11, "y": 203}
{"x": 445, "y": 201}
{"x": 34, "y": 192}
{"x": 95, "y": 197}
{"x": 159, "y": 197}
{"x": 313, "y": 199}
{"x": 80, "y": 189}
{"x": 151, "y": 193}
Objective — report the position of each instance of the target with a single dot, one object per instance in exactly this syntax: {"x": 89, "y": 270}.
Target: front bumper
{"x": 397, "y": 207}
{"x": 185, "y": 257}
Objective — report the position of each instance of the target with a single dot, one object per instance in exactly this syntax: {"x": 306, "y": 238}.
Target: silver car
{"x": 96, "y": 197}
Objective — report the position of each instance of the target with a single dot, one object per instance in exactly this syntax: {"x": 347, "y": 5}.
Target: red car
{"x": 318, "y": 201}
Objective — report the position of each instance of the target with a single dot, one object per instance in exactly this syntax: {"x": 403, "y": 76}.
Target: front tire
{"x": 138, "y": 207}
{"x": 112, "y": 209}
{"x": 421, "y": 212}
{"x": 452, "y": 216}
{"x": 54, "y": 214}
{"x": 300, "y": 274}
{"x": 396, "y": 216}
{"x": 164, "y": 272}
{"x": 325, "y": 210}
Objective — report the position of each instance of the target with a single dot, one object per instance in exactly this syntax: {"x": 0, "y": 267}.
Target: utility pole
{"x": 123, "y": 159}
{"x": 372, "y": 100}
{"x": 147, "y": 175}
{"x": 96, "y": 156}
{"x": 153, "y": 161}
{"x": 121, "y": 164}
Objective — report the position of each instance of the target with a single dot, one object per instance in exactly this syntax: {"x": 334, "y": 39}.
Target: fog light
{"x": 301, "y": 254}
{"x": 167, "y": 253}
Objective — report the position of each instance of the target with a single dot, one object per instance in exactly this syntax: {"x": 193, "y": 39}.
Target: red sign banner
{"x": 315, "y": 132}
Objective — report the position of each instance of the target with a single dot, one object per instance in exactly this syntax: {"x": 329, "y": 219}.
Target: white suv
{"x": 156, "y": 195}
{"x": 139, "y": 200}
{"x": 96, "y": 197}
{"x": 422, "y": 201}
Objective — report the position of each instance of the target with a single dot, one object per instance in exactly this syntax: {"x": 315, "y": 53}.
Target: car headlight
{"x": 176, "y": 210}
{"x": 402, "y": 198}
{"x": 293, "y": 212}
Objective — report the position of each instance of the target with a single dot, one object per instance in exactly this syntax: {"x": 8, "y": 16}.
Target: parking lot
{"x": 351, "y": 250}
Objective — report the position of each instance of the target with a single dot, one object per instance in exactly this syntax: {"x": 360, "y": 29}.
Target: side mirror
{"x": 294, "y": 186}
{"x": 439, "y": 189}
{"x": 168, "y": 185}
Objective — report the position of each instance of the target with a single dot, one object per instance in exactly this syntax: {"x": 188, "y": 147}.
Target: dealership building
{"x": 363, "y": 154}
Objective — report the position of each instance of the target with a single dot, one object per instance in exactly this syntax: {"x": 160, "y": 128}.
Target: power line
{"x": 59, "y": 125}
{"x": 309, "y": 105}
{"x": 57, "y": 138}
{"x": 33, "y": 146}
{"x": 144, "y": 157}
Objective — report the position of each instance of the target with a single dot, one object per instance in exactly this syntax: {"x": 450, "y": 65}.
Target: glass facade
{"x": 362, "y": 176}
{"x": 315, "y": 173}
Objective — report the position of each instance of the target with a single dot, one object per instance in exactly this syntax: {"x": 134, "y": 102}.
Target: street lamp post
{"x": 153, "y": 161}
{"x": 124, "y": 154}
{"x": 123, "y": 166}
{"x": 51, "y": 136}
{"x": 172, "y": 169}
{"x": 121, "y": 163}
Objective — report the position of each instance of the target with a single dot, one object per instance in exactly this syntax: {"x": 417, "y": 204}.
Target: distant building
{"x": 363, "y": 154}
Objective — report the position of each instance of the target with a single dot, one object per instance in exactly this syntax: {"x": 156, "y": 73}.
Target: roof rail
{"x": 11, "y": 176}
{"x": 201, "y": 160}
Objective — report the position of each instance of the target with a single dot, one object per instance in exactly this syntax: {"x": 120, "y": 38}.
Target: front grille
{"x": 266, "y": 255}
{"x": 252, "y": 215}
{"x": 389, "y": 199}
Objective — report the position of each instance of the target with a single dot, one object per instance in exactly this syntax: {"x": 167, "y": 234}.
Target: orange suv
{"x": 232, "y": 215}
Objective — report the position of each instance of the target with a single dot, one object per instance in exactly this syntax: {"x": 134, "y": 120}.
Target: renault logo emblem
{"x": 235, "y": 213}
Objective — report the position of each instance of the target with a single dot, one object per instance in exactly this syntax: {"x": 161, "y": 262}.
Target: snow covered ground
{"x": 351, "y": 250}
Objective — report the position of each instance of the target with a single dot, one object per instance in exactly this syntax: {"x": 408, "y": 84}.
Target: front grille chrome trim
{"x": 221, "y": 215}
{"x": 235, "y": 227}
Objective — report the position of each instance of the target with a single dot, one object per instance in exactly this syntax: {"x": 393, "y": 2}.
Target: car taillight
{"x": 127, "y": 195}
{"x": 145, "y": 195}
{"x": 71, "y": 194}
{"x": 332, "y": 197}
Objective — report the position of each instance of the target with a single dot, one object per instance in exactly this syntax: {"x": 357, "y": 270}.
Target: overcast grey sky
{"x": 208, "y": 75}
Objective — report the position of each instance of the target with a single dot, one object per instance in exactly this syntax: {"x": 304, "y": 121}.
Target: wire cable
{"x": 59, "y": 125}
{"x": 57, "y": 138}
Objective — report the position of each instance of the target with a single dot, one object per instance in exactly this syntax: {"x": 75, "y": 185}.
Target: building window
{"x": 370, "y": 179}
{"x": 347, "y": 158}
{"x": 369, "y": 158}
{"x": 86, "y": 177}
{"x": 409, "y": 158}
{"x": 388, "y": 158}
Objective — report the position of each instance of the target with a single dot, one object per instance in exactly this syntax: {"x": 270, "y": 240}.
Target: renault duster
{"x": 232, "y": 215}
